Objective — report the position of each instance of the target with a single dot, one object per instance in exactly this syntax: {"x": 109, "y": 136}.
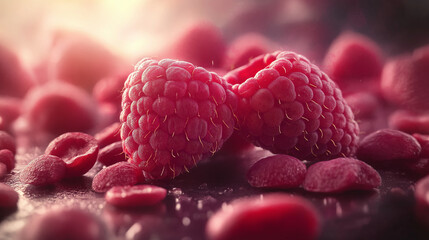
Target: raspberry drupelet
{"x": 288, "y": 105}
{"x": 174, "y": 114}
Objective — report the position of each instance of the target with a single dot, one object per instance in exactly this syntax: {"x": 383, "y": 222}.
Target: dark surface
{"x": 386, "y": 213}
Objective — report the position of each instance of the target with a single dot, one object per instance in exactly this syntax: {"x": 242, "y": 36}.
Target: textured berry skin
{"x": 173, "y": 115}
{"x": 288, "y": 106}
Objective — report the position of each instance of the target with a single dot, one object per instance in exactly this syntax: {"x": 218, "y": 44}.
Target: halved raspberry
{"x": 410, "y": 121}
{"x": 44, "y": 170}
{"x": 288, "y": 106}
{"x": 118, "y": 174}
{"x": 173, "y": 115}
{"x": 78, "y": 150}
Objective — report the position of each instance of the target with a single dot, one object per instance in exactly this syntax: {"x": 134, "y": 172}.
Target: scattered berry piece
{"x": 109, "y": 135}
{"x": 288, "y": 106}
{"x": 8, "y": 159}
{"x": 409, "y": 121}
{"x": 278, "y": 171}
{"x": 81, "y": 61}
{"x": 272, "y": 216}
{"x": 119, "y": 174}
{"x": 8, "y": 196}
{"x": 64, "y": 223}
{"x": 57, "y": 108}
{"x": 7, "y": 141}
{"x": 135, "y": 196}
{"x": 353, "y": 57}
{"x": 111, "y": 154}
{"x": 43, "y": 170}
{"x": 404, "y": 80}
{"x": 388, "y": 148}
{"x": 108, "y": 90}
{"x": 173, "y": 115}
{"x": 339, "y": 175}
{"x": 422, "y": 201}
{"x": 3, "y": 170}
{"x": 78, "y": 150}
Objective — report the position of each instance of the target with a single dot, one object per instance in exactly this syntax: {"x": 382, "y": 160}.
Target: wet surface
{"x": 386, "y": 213}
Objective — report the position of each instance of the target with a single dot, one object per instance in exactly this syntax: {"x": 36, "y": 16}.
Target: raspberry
{"x": 57, "y": 108}
{"x": 341, "y": 174}
{"x": 173, "y": 115}
{"x": 288, "y": 106}
{"x": 246, "y": 47}
{"x": 404, "y": 80}
{"x": 353, "y": 58}
{"x": 201, "y": 43}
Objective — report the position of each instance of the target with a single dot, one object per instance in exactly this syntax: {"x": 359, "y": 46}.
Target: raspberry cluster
{"x": 175, "y": 114}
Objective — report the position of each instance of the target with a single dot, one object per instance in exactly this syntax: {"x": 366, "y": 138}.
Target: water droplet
{"x": 186, "y": 221}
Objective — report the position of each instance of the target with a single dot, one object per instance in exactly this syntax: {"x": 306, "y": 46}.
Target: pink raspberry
{"x": 173, "y": 115}
{"x": 288, "y": 106}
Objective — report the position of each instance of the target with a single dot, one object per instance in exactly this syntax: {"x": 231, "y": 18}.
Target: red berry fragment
{"x": 288, "y": 106}
{"x": 111, "y": 154}
{"x": 388, "y": 148}
{"x": 404, "y": 80}
{"x": 64, "y": 223}
{"x": 119, "y": 174}
{"x": 339, "y": 175}
{"x": 8, "y": 196}
{"x": 278, "y": 171}
{"x": 108, "y": 135}
{"x": 78, "y": 150}
{"x": 8, "y": 159}
{"x": 108, "y": 90}
{"x": 424, "y": 143}
{"x": 422, "y": 201}
{"x": 173, "y": 115}
{"x": 7, "y": 142}
{"x": 44, "y": 170}
{"x": 273, "y": 216}
{"x": 353, "y": 57}
{"x": 409, "y": 121}
{"x": 135, "y": 196}
{"x": 57, "y": 108}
